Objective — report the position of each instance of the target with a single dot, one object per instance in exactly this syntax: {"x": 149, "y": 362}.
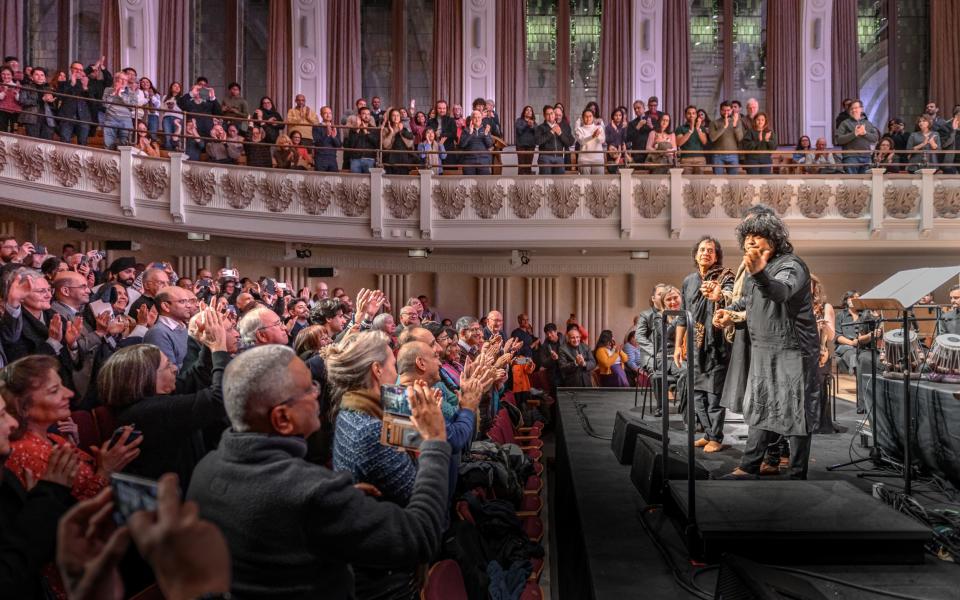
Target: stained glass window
{"x": 706, "y": 54}
{"x": 913, "y": 59}
{"x": 376, "y": 39}
{"x": 256, "y": 17}
{"x": 872, "y": 67}
{"x": 749, "y": 50}
{"x": 209, "y": 37}
{"x": 419, "y": 52}
{"x": 541, "y": 53}
{"x": 585, "y": 54}
{"x": 42, "y": 35}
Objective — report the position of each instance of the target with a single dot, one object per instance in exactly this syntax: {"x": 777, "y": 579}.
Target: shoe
{"x": 701, "y": 443}
{"x": 714, "y": 446}
{"x": 766, "y": 469}
{"x": 658, "y": 413}
{"x": 738, "y": 474}
{"x": 861, "y": 411}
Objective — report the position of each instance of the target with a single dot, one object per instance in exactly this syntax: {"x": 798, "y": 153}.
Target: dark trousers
{"x": 476, "y": 165}
{"x": 8, "y": 121}
{"x": 550, "y": 164}
{"x": 777, "y": 450}
{"x": 524, "y": 160}
{"x": 69, "y": 128}
{"x": 758, "y": 440}
{"x": 40, "y": 129}
{"x": 710, "y": 414}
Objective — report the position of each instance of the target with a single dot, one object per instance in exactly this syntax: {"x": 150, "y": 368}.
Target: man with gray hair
{"x": 176, "y": 306}
{"x": 321, "y": 523}
{"x": 154, "y": 280}
{"x": 261, "y": 326}
{"x": 471, "y": 337}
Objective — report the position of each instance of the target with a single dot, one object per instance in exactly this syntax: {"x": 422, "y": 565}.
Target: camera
{"x": 397, "y": 430}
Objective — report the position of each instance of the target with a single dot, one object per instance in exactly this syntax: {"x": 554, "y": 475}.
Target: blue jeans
{"x": 116, "y": 132}
{"x": 731, "y": 160}
{"x": 476, "y": 165}
{"x": 361, "y": 165}
{"x": 169, "y": 128}
{"x": 550, "y": 164}
{"x": 153, "y": 125}
{"x": 194, "y": 148}
{"x": 856, "y": 164}
{"x": 68, "y": 129}
{"x": 759, "y": 169}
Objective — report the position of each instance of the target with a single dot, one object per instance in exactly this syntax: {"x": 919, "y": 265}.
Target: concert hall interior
{"x": 541, "y": 299}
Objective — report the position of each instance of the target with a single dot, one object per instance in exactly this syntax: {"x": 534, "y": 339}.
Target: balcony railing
{"x": 496, "y": 210}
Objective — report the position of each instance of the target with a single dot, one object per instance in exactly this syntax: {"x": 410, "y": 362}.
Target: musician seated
{"x": 950, "y": 320}
{"x": 853, "y": 333}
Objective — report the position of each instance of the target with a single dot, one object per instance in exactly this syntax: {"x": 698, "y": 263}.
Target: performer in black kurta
{"x": 711, "y": 351}
{"x": 783, "y": 392}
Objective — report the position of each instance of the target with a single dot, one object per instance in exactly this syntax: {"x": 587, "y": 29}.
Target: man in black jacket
{"x": 75, "y": 113}
{"x": 638, "y": 130}
{"x": 446, "y": 128}
{"x": 99, "y": 80}
{"x": 362, "y": 143}
{"x": 551, "y": 141}
{"x": 646, "y": 327}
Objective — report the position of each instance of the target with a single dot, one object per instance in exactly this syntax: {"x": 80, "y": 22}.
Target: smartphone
{"x": 270, "y": 286}
{"x": 230, "y": 273}
{"x": 38, "y": 249}
{"x": 205, "y": 282}
{"x": 394, "y": 400}
{"x": 131, "y": 494}
{"x": 119, "y": 430}
{"x": 205, "y": 93}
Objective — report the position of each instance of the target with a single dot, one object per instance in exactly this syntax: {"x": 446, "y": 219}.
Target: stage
{"x": 610, "y": 544}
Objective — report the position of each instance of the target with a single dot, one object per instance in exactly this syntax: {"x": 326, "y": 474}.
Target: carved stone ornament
{"x": 650, "y": 198}
{"x": 450, "y": 198}
{"x": 526, "y": 198}
{"x": 276, "y": 192}
{"x": 402, "y": 199}
{"x": 602, "y": 199}
{"x": 900, "y": 200}
{"x": 699, "y": 198}
{"x": 65, "y": 167}
{"x": 852, "y": 199}
{"x": 153, "y": 180}
{"x": 563, "y": 198}
{"x": 487, "y": 199}
{"x": 103, "y": 172}
{"x": 777, "y": 196}
{"x": 736, "y": 197}
{"x": 946, "y": 201}
{"x": 813, "y": 199}
{"x": 200, "y": 185}
{"x": 3, "y": 155}
{"x": 29, "y": 161}
{"x": 239, "y": 189}
{"x": 353, "y": 197}
{"x": 315, "y": 197}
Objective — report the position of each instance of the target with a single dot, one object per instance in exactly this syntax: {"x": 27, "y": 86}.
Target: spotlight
{"x": 79, "y": 225}
{"x": 418, "y": 252}
{"x": 640, "y": 254}
{"x": 198, "y": 237}
{"x": 304, "y": 253}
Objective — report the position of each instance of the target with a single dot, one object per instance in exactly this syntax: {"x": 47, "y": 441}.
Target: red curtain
{"x": 448, "y": 52}
{"x": 280, "y": 55}
{"x": 784, "y": 77}
{"x": 676, "y": 53}
{"x": 110, "y": 33}
{"x": 173, "y": 47}
{"x": 845, "y": 53}
{"x": 511, "y": 63}
{"x": 343, "y": 47}
{"x": 944, "y": 55}
{"x": 11, "y": 28}
{"x": 616, "y": 64}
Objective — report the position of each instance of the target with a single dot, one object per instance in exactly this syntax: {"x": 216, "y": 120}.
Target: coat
{"x": 572, "y": 374}
{"x": 712, "y": 352}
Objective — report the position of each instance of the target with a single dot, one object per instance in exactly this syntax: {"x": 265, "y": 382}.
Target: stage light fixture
{"x": 304, "y": 253}
{"x": 194, "y": 236}
{"x": 418, "y": 252}
{"x": 640, "y": 254}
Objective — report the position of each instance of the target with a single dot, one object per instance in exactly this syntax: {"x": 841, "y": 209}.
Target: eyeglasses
{"x": 76, "y": 287}
{"x": 186, "y": 301}
{"x": 312, "y": 393}
{"x": 277, "y": 324}
{"x": 43, "y": 291}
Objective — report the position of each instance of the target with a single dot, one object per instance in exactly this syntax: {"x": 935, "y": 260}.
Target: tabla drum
{"x": 944, "y": 359}
{"x": 893, "y": 353}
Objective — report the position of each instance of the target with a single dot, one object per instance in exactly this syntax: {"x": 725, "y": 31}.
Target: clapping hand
{"x": 20, "y": 286}
{"x": 214, "y": 332}
{"x": 89, "y": 549}
{"x": 755, "y": 260}
{"x": 112, "y": 459}
{"x": 722, "y": 318}
{"x": 425, "y": 412}
{"x": 62, "y": 468}
{"x": 73, "y": 332}
{"x": 711, "y": 290}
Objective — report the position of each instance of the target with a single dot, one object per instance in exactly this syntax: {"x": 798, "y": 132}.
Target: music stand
{"x": 900, "y": 293}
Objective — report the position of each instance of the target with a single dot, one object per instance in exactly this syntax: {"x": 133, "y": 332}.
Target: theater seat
{"x": 87, "y": 429}
{"x": 444, "y": 582}
{"x": 106, "y": 423}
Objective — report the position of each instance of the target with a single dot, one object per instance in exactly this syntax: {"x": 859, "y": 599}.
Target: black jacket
{"x": 74, "y": 108}
{"x": 637, "y": 138}
{"x": 362, "y": 145}
{"x": 548, "y": 141}
{"x": 526, "y": 134}
{"x": 446, "y": 127}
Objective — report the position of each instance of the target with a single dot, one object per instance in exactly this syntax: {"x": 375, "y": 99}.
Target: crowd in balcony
{"x": 129, "y": 110}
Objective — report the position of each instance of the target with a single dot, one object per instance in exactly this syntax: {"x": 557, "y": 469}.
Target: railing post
{"x": 626, "y": 203}
{"x": 926, "y": 202}
{"x": 426, "y": 203}
{"x": 376, "y": 202}
{"x": 176, "y": 187}
{"x": 127, "y": 203}
{"x": 676, "y": 203}
{"x": 876, "y": 202}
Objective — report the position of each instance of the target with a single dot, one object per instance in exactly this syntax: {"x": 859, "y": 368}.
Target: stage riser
{"x": 628, "y": 425}
{"x": 646, "y": 471}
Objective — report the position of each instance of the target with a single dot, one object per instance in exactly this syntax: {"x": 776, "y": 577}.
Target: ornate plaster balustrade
{"x": 489, "y": 211}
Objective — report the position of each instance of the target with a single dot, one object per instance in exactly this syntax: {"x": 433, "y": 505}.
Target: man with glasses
{"x": 71, "y": 293}
{"x": 154, "y": 280}
{"x": 175, "y": 306}
{"x": 12, "y": 252}
{"x": 471, "y": 337}
{"x": 262, "y": 326}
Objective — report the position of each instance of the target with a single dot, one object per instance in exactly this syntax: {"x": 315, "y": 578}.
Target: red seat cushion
{"x": 444, "y": 582}
{"x": 532, "y": 528}
{"x": 531, "y": 592}
{"x": 106, "y": 422}
{"x": 87, "y": 429}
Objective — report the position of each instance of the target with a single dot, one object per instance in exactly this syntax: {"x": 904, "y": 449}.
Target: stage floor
{"x": 607, "y": 538}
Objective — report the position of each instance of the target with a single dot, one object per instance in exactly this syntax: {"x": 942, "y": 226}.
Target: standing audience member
{"x": 74, "y": 112}
{"x": 551, "y": 143}
{"x": 662, "y": 143}
{"x": 575, "y": 360}
{"x": 856, "y": 135}
{"x": 759, "y": 136}
{"x": 446, "y": 128}
{"x": 326, "y": 140}
{"x": 397, "y": 141}
{"x": 525, "y": 130}
{"x": 725, "y": 135}
{"x": 301, "y": 118}
{"x": 638, "y": 129}
{"x": 37, "y": 106}
{"x": 9, "y": 100}
{"x": 616, "y": 136}
{"x": 922, "y": 142}
{"x": 692, "y": 140}
{"x": 362, "y": 143}
{"x": 477, "y": 140}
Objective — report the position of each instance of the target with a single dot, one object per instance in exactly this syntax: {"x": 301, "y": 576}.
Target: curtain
{"x": 343, "y": 48}
{"x": 280, "y": 55}
{"x": 110, "y": 34}
{"x": 944, "y": 53}
{"x": 173, "y": 46}
{"x": 676, "y": 52}
{"x": 448, "y": 52}
{"x": 616, "y": 65}
{"x": 845, "y": 52}
{"x": 511, "y": 76}
{"x": 784, "y": 77}
{"x": 11, "y": 28}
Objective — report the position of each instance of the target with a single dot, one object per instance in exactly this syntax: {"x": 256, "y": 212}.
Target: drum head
{"x": 948, "y": 341}
{"x": 895, "y": 336}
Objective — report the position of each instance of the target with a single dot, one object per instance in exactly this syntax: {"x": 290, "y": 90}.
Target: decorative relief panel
{"x": 315, "y": 197}
{"x": 900, "y": 200}
{"x": 852, "y": 199}
{"x": 736, "y": 197}
{"x": 65, "y": 167}
{"x": 777, "y": 196}
{"x": 650, "y": 198}
{"x": 239, "y": 190}
{"x": 153, "y": 180}
{"x": 402, "y": 199}
{"x": 450, "y": 198}
{"x": 813, "y": 199}
{"x": 946, "y": 201}
{"x": 200, "y": 185}
{"x": 103, "y": 172}
{"x": 563, "y": 197}
{"x": 699, "y": 198}
{"x": 276, "y": 192}
{"x": 487, "y": 199}
{"x": 602, "y": 199}
{"x": 29, "y": 161}
{"x": 353, "y": 197}
{"x": 526, "y": 198}
{"x": 3, "y": 155}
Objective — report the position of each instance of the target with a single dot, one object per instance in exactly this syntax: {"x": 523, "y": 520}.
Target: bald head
{"x": 494, "y": 321}
{"x": 71, "y": 289}
{"x": 421, "y": 335}
{"x": 177, "y": 303}
{"x": 245, "y": 302}
{"x": 417, "y": 360}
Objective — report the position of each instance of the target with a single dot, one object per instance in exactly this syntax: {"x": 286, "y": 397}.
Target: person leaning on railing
{"x": 759, "y": 137}
{"x": 9, "y": 106}
{"x": 885, "y": 156}
{"x": 118, "y": 116}
{"x": 326, "y": 140}
{"x": 266, "y": 116}
{"x": 362, "y": 143}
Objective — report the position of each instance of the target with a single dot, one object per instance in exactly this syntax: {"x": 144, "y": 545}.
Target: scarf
{"x": 363, "y": 401}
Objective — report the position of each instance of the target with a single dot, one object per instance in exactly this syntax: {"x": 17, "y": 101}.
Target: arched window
{"x": 230, "y": 44}
{"x": 58, "y": 33}
{"x": 396, "y": 46}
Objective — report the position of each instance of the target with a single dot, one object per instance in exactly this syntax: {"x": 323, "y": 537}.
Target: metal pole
{"x": 664, "y": 385}
{"x": 907, "y": 413}
{"x": 691, "y": 418}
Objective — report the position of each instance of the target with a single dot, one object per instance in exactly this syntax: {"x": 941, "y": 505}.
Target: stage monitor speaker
{"x": 118, "y": 245}
{"x": 647, "y": 472}
{"x": 742, "y": 579}
{"x": 321, "y": 272}
{"x": 626, "y": 426}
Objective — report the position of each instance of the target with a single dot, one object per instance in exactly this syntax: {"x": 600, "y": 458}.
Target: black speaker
{"x": 320, "y": 272}
{"x": 647, "y": 472}
{"x": 118, "y": 245}
{"x": 742, "y": 579}
{"x": 626, "y": 426}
